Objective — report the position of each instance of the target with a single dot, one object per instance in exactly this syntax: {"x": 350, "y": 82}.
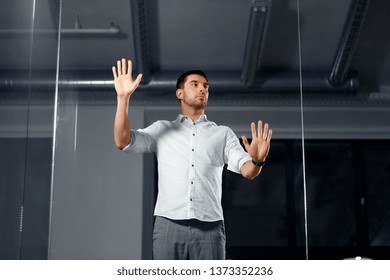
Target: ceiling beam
{"x": 54, "y": 6}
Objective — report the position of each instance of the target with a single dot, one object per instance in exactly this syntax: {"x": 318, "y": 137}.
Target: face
{"x": 195, "y": 92}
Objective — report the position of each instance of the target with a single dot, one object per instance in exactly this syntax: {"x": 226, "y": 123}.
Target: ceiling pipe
{"x": 164, "y": 82}
{"x": 257, "y": 27}
{"x": 141, "y": 41}
{"x": 78, "y": 30}
{"x": 113, "y": 30}
{"x": 347, "y": 46}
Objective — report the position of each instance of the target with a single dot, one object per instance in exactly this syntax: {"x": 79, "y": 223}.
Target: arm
{"x": 258, "y": 149}
{"x": 124, "y": 87}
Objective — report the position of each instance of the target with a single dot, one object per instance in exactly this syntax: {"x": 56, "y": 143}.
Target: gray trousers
{"x": 188, "y": 240}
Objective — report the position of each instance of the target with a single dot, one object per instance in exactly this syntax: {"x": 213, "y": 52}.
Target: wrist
{"x": 258, "y": 163}
{"x": 123, "y": 99}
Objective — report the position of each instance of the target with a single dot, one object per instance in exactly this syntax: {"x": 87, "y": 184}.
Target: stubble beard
{"x": 200, "y": 104}
{"x": 197, "y": 104}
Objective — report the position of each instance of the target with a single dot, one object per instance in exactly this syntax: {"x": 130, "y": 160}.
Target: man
{"x": 191, "y": 153}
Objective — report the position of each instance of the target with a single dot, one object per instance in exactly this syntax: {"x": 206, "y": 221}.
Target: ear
{"x": 179, "y": 94}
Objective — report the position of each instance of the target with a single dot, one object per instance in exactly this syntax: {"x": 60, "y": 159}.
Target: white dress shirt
{"x": 191, "y": 156}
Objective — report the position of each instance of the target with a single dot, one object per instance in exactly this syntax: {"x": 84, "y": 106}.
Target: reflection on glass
{"x": 26, "y": 110}
{"x": 346, "y": 132}
{"x": 103, "y": 200}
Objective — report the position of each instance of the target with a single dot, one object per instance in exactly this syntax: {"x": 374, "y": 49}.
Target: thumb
{"x": 245, "y": 141}
{"x": 138, "y": 79}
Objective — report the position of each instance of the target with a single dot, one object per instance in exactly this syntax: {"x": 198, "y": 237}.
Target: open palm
{"x": 123, "y": 80}
{"x": 259, "y": 147}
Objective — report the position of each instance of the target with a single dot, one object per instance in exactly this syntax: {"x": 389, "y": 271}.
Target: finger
{"x": 269, "y": 135}
{"x": 260, "y": 128}
{"x": 118, "y": 64}
{"x": 114, "y": 72}
{"x": 129, "y": 67}
{"x": 123, "y": 66}
{"x": 266, "y": 127}
{"x": 253, "y": 128}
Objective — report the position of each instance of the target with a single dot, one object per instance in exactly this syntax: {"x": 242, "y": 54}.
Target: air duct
{"x": 353, "y": 26}
{"x": 257, "y": 27}
{"x": 141, "y": 41}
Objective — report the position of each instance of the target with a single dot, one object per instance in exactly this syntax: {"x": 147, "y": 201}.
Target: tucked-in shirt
{"x": 191, "y": 157}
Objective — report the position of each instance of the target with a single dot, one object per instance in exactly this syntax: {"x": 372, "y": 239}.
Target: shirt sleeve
{"x": 234, "y": 153}
{"x": 143, "y": 140}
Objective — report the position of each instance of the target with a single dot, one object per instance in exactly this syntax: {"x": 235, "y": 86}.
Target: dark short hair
{"x": 183, "y": 77}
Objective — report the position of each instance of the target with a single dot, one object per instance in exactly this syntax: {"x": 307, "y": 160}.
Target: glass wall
{"x": 66, "y": 191}
{"x": 97, "y": 191}
{"x": 28, "y": 44}
{"x": 103, "y": 200}
{"x": 346, "y": 132}
{"x": 265, "y": 217}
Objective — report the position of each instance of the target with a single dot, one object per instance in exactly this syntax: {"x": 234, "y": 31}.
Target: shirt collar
{"x": 181, "y": 118}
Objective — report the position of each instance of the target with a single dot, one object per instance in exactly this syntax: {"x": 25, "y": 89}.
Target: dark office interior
{"x": 317, "y": 71}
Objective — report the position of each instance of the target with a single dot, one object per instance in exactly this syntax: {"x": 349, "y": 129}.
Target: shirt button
{"x": 192, "y": 165}
{"x": 193, "y": 134}
{"x": 193, "y": 150}
{"x": 194, "y": 123}
{"x": 190, "y": 199}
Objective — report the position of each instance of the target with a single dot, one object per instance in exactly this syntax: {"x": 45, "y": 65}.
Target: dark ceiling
{"x": 178, "y": 35}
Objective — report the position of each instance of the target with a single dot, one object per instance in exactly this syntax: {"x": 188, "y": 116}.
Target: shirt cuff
{"x": 243, "y": 161}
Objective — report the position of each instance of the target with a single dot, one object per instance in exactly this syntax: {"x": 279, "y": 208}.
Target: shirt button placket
{"x": 192, "y": 167}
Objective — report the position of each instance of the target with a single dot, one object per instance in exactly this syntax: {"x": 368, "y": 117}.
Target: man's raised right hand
{"x": 123, "y": 80}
